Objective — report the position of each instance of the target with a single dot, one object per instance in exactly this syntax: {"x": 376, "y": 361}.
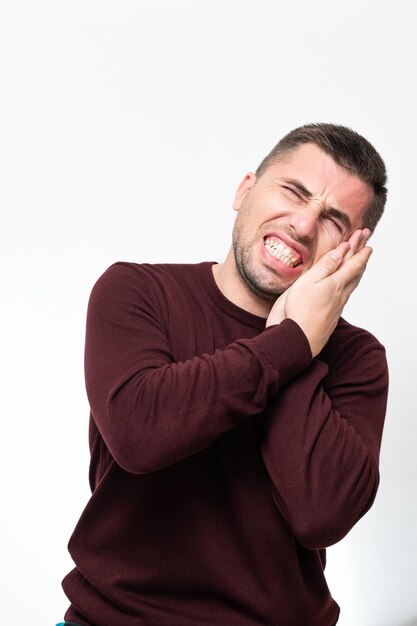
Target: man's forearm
{"x": 321, "y": 446}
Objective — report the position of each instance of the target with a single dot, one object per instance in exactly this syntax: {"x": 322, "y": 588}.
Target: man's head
{"x": 348, "y": 149}
{"x": 318, "y": 184}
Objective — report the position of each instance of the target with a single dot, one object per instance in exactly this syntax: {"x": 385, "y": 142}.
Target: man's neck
{"x": 233, "y": 287}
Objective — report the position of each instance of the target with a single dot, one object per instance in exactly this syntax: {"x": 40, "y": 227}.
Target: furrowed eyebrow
{"x": 296, "y": 183}
{"x": 340, "y": 215}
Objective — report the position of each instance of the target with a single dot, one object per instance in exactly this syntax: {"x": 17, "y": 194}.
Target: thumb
{"x": 330, "y": 261}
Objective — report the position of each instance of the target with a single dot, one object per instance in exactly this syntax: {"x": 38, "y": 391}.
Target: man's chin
{"x": 262, "y": 287}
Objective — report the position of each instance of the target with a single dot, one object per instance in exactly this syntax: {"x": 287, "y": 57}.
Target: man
{"x": 236, "y": 419}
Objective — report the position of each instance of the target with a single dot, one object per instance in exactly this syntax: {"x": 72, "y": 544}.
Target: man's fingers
{"x": 354, "y": 266}
{"x": 347, "y": 262}
{"x": 330, "y": 262}
{"x": 357, "y": 241}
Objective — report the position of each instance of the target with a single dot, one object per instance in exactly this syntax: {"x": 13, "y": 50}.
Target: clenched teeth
{"x": 282, "y": 253}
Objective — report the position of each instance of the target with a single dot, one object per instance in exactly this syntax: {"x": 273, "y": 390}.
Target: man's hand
{"x": 316, "y": 300}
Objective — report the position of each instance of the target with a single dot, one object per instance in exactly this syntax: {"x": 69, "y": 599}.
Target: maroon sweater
{"x": 224, "y": 459}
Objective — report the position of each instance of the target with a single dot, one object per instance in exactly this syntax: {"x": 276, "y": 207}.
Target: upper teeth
{"x": 281, "y": 252}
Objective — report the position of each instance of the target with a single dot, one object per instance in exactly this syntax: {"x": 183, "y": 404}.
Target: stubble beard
{"x": 255, "y": 279}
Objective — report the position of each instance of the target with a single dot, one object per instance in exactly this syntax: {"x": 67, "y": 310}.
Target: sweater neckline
{"x": 220, "y": 300}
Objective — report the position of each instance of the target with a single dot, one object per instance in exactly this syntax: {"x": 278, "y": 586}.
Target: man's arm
{"x": 152, "y": 411}
{"x": 323, "y": 432}
{"x": 322, "y": 440}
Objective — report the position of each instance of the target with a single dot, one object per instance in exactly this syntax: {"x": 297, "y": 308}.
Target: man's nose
{"x": 304, "y": 222}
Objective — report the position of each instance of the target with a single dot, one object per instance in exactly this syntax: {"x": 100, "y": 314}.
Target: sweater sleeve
{"x": 321, "y": 446}
{"x": 152, "y": 411}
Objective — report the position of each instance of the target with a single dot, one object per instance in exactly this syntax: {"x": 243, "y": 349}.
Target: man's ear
{"x": 244, "y": 187}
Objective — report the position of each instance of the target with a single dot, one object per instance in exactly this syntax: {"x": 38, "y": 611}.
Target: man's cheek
{"x": 329, "y": 241}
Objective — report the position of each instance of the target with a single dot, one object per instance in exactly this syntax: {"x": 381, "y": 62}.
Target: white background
{"x": 124, "y": 129}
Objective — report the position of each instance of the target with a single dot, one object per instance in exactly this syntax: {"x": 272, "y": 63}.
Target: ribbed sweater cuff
{"x": 286, "y": 347}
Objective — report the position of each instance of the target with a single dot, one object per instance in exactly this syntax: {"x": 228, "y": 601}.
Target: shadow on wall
{"x": 412, "y": 622}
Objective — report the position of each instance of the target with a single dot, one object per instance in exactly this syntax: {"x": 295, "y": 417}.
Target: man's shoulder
{"x": 355, "y": 337}
{"x": 156, "y": 271}
{"x": 163, "y": 281}
{"x": 349, "y": 346}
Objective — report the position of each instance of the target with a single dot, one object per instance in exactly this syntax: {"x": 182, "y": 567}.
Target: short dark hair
{"x": 349, "y": 150}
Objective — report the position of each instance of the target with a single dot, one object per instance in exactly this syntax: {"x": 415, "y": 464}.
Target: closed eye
{"x": 334, "y": 221}
{"x": 293, "y": 192}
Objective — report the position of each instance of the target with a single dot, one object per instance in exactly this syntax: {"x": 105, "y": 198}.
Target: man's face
{"x": 299, "y": 209}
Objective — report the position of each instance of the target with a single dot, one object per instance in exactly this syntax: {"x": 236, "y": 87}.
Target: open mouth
{"x": 282, "y": 252}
